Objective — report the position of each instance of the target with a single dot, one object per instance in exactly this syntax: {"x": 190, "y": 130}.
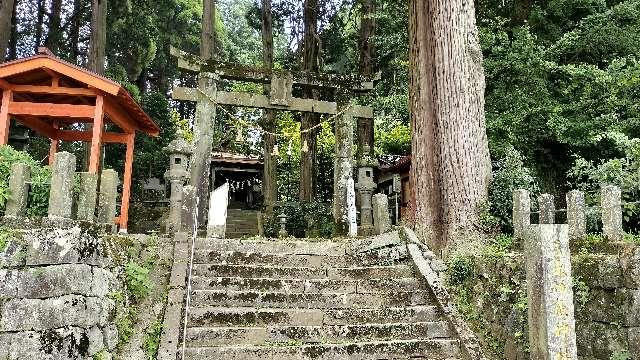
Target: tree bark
{"x": 451, "y": 168}
{"x": 270, "y": 175}
{"x": 209, "y": 38}
{"x": 54, "y": 37}
{"x": 6, "y": 14}
{"x": 365, "y": 133}
{"x": 74, "y": 31}
{"x": 39, "y": 24}
{"x": 98, "y": 41}
{"x": 310, "y": 63}
{"x": 13, "y": 41}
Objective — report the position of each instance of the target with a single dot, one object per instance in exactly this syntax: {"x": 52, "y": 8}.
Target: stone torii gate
{"x": 207, "y": 97}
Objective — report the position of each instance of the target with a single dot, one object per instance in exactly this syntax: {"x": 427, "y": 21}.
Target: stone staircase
{"x": 258, "y": 299}
{"x": 241, "y": 223}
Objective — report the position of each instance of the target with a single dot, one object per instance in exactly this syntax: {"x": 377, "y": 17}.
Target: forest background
{"x": 562, "y": 97}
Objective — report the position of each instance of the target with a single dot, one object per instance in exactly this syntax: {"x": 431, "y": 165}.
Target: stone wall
{"x": 491, "y": 291}
{"x": 55, "y": 294}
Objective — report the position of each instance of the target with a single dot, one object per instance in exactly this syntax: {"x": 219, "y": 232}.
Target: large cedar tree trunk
{"x": 98, "y": 41}
{"x": 310, "y": 63}
{"x": 74, "y": 31}
{"x": 365, "y": 133}
{"x": 270, "y": 176}
{"x": 13, "y": 41}
{"x": 208, "y": 43}
{"x": 6, "y": 10}
{"x": 451, "y": 167}
{"x": 39, "y": 24}
{"x": 54, "y": 37}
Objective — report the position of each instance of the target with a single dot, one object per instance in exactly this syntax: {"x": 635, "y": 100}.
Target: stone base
{"x": 366, "y": 230}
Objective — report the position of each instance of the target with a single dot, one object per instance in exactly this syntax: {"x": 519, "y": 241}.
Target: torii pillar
{"x": 200, "y": 166}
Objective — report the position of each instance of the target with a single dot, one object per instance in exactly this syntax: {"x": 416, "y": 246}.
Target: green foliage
{"x": 307, "y": 219}
{"x": 394, "y": 140}
{"x": 620, "y": 355}
{"x": 581, "y": 291}
{"x": 38, "y": 201}
{"x": 499, "y": 246}
{"x": 101, "y": 355}
{"x": 151, "y": 342}
{"x": 509, "y": 175}
{"x": 459, "y": 270}
{"x": 137, "y": 279}
{"x": 5, "y": 236}
{"x": 622, "y": 170}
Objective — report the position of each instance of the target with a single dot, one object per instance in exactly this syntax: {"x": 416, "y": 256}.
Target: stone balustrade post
{"x": 552, "y": 333}
{"x": 381, "y": 219}
{"x": 18, "y": 190}
{"x": 188, "y": 210}
{"x": 611, "y": 207}
{"x": 547, "y": 209}
{"x": 108, "y": 196}
{"x": 87, "y": 196}
{"x": 576, "y": 215}
{"x": 62, "y": 178}
{"x": 521, "y": 213}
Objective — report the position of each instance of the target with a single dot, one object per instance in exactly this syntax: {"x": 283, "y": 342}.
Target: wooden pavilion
{"x": 54, "y": 98}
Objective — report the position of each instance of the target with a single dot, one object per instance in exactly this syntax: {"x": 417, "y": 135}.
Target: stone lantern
{"x": 366, "y": 186}
{"x": 179, "y": 154}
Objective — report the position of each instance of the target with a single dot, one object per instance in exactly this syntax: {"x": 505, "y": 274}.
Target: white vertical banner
{"x": 351, "y": 208}
{"x": 218, "y": 202}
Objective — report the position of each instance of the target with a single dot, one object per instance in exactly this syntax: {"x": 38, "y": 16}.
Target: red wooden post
{"x": 126, "y": 187}
{"x": 7, "y": 97}
{"x": 96, "y": 140}
{"x": 53, "y": 149}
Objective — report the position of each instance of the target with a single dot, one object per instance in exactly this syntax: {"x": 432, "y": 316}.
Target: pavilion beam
{"x": 59, "y": 90}
{"x": 51, "y": 110}
{"x": 96, "y": 139}
{"x": 5, "y": 121}
{"x": 38, "y": 126}
{"x": 5, "y": 85}
{"x": 118, "y": 116}
{"x": 126, "y": 187}
{"x": 87, "y": 136}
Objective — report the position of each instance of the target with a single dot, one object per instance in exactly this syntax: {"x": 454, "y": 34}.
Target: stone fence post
{"x": 381, "y": 220}
{"x": 521, "y": 213}
{"x": 108, "y": 196}
{"x": 547, "y": 209}
{"x": 611, "y": 206}
{"x": 576, "y": 215}
{"x": 61, "y": 194}
{"x": 18, "y": 190}
{"x": 189, "y": 207}
{"x": 87, "y": 196}
{"x": 552, "y": 333}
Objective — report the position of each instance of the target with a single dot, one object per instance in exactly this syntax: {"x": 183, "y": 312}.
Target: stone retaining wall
{"x": 606, "y": 296}
{"x": 55, "y": 287}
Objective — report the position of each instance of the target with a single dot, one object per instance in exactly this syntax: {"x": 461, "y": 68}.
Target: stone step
{"x": 313, "y": 286}
{"x": 378, "y": 350}
{"x": 222, "y": 336}
{"x": 202, "y": 298}
{"x": 274, "y": 247}
{"x": 258, "y": 271}
{"x": 251, "y": 316}
{"x": 255, "y": 258}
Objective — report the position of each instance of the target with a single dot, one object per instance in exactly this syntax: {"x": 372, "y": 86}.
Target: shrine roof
{"x": 395, "y": 163}
{"x": 35, "y": 73}
{"x": 234, "y": 158}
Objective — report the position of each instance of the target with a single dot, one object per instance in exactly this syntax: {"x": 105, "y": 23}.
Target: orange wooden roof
{"x": 38, "y": 70}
